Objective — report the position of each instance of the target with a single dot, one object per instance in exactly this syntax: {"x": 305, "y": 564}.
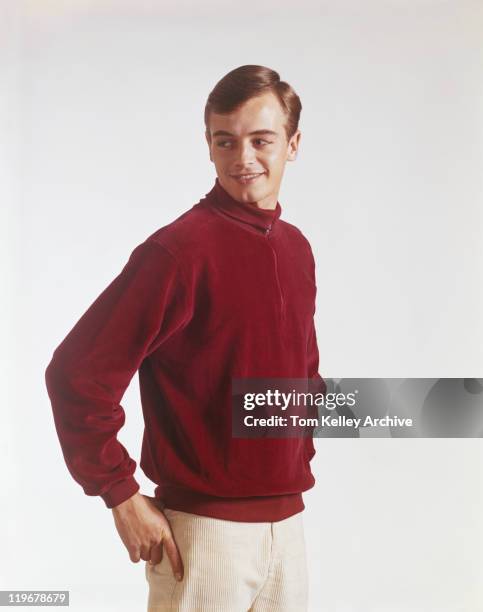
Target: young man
{"x": 226, "y": 290}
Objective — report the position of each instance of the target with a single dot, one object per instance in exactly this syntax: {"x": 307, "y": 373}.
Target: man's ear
{"x": 208, "y": 140}
{"x": 293, "y": 146}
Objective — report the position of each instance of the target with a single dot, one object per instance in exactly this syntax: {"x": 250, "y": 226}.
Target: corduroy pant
{"x": 232, "y": 566}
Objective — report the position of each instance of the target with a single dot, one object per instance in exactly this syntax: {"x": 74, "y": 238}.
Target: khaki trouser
{"x": 232, "y": 566}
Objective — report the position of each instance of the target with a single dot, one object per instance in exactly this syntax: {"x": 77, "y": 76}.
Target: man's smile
{"x": 245, "y": 179}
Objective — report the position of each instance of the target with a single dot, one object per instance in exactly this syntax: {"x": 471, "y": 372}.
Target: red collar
{"x": 245, "y": 212}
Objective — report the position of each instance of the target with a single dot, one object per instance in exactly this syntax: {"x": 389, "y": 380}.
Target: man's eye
{"x": 261, "y": 141}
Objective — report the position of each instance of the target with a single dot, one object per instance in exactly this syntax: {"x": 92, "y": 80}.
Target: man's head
{"x": 252, "y": 99}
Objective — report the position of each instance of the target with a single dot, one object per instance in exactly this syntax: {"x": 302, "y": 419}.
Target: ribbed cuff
{"x": 120, "y": 492}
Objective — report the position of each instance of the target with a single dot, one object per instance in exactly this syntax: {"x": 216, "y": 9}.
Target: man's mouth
{"x": 245, "y": 179}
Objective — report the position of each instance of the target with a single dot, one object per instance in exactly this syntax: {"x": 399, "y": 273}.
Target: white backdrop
{"x": 102, "y": 120}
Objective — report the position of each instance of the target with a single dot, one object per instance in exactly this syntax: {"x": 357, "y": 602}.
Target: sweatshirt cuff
{"x": 120, "y": 492}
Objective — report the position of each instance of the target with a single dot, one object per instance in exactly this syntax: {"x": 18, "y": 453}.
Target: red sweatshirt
{"x": 226, "y": 290}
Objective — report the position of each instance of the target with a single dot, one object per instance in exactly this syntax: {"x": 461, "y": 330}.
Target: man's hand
{"x": 144, "y": 529}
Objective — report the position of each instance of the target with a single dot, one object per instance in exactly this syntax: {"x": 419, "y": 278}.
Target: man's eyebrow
{"x": 225, "y": 133}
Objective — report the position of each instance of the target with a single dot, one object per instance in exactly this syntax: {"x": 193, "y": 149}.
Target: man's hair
{"x": 249, "y": 81}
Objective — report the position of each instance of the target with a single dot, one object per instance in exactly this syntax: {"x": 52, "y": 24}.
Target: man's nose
{"x": 246, "y": 155}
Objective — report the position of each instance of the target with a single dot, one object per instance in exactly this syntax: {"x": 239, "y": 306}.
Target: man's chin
{"x": 249, "y": 194}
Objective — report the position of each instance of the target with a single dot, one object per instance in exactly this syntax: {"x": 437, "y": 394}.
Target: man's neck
{"x": 268, "y": 203}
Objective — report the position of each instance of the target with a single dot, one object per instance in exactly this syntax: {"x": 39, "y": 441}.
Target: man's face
{"x": 236, "y": 149}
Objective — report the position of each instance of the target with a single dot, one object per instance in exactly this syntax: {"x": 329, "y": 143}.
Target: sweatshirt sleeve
{"x": 90, "y": 370}
{"x": 313, "y": 362}
{"x": 319, "y": 385}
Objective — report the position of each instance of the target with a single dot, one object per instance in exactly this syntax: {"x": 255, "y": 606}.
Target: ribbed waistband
{"x": 249, "y": 509}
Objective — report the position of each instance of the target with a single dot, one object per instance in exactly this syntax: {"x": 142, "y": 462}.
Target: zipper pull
{"x": 267, "y": 231}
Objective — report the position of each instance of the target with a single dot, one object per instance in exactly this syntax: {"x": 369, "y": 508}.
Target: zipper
{"x": 282, "y": 301}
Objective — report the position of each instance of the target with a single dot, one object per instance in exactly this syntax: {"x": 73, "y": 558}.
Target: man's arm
{"x": 91, "y": 369}
{"x": 317, "y": 382}
{"x": 319, "y": 385}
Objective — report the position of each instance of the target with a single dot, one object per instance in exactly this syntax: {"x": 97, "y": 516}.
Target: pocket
{"x": 169, "y": 512}
{"x": 161, "y": 569}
